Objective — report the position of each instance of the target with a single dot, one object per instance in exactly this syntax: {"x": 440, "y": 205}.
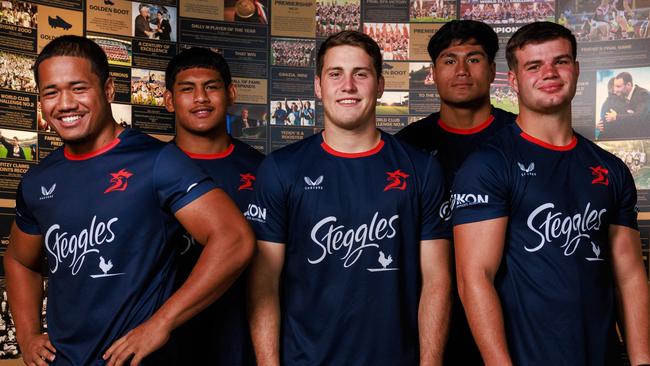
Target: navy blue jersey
{"x": 352, "y": 226}
{"x": 452, "y": 145}
{"x": 106, "y": 219}
{"x": 219, "y": 334}
{"x": 555, "y": 282}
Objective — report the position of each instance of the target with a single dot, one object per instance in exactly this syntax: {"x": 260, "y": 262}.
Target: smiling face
{"x": 349, "y": 87}
{"x": 74, "y": 101}
{"x": 545, "y": 76}
{"x": 463, "y": 74}
{"x": 200, "y": 100}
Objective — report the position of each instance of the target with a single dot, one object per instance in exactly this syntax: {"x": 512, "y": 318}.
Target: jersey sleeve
{"x": 178, "y": 180}
{"x": 481, "y": 188}
{"x": 24, "y": 218}
{"x": 268, "y": 212}
{"x": 626, "y": 211}
{"x": 434, "y": 198}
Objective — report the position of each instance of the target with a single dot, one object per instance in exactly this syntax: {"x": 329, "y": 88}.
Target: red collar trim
{"x": 466, "y": 131}
{"x": 220, "y": 155}
{"x": 92, "y": 154}
{"x": 362, "y": 154}
{"x": 571, "y": 145}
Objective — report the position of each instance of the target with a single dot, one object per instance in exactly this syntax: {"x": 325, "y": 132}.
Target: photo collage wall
{"x": 271, "y": 47}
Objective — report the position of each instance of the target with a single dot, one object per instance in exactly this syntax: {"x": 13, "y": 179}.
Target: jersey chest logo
{"x": 527, "y": 170}
{"x": 119, "y": 180}
{"x": 314, "y": 184}
{"x": 396, "y": 180}
{"x": 246, "y": 180}
{"x": 600, "y": 175}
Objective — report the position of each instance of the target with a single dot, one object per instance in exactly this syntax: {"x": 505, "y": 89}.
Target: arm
{"x": 213, "y": 220}
{"x": 22, "y": 264}
{"x": 479, "y": 248}
{"x": 264, "y": 302}
{"x": 435, "y": 300}
{"x": 632, "y": 291}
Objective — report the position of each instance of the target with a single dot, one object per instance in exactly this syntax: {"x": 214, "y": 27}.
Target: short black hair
{"x": 351, "y": 38}
{"x": 196, "y": 57}
{"x": 75, "y": 46}
{"x": 464, "y": 31}
{"x": 536, "y": 33}
{"x": 626, "y": 76}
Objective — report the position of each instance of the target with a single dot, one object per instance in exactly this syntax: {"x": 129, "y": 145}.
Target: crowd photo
{"x": 20, "y": 13}
{"x": 16, "y": 72}
{"x": 293, "y": 52}
{"x": 393, "y": 39}
{"x": 432, "y": 10}
{"x": 508, "y": 12}
{"x": 147, "y": 87}
{"x": 606, "y": 20}
{"x": 337, "y": 15}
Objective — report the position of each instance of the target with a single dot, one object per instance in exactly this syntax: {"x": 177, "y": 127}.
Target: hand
{"x": 38, "y": 351}
{"x": 600, "y": 125}
{"x": 610, "y": 116}
{"x": 137, "y": 344}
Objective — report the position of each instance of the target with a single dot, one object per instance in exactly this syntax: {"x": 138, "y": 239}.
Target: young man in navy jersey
{"x": 545, "y": 227}
{"x": 352, "y": 266}
{"x": 102, "y": 209}
{"x": 199, "y": 92}
{"x": 462, "y": 55}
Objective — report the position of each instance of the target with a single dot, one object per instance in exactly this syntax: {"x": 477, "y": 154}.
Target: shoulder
{"x": 52, "y": 161}
{"x": 503, "y": 117}
{"x": 247, "y": 150}
{"x": 427, "y": 123}
{"x": 421, "y": 160}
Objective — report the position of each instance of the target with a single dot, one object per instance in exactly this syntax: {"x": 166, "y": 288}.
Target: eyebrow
{"x": 469, "y": 54}
{"x": 533, "y": 62}
{"x": 72, "y": 83}
{"x": 355, "y": 69}
{"x": 191, "y": 83}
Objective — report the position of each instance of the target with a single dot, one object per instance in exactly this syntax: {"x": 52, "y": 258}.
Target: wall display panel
{"x": 271, "y": 48}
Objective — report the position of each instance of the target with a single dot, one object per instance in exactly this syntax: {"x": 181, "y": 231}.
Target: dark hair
{"x": 350, "y": 38}
{"x": 626, "y": 76}
{"x": 462, "y": 32}
{"x": 536, "y": 33}
{"x": 75, "y": 46}
{"x": 196, "y": 57}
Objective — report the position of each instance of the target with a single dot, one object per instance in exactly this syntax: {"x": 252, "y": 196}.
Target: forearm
{"x": 634, "y": 297}
{"x": 433, "y": 322}
{"x": 264, "y": 320}
{"x": 485, "y": 316}
{"x": 25, "y": 297}
{"x": 264, "y": 303}
{"x": 207, "y": 282}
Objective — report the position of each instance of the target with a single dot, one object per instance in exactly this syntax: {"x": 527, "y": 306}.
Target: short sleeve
{"x": 268, "y": 212}
{"x": 178, "y": 180}
{"x": 481, "y": 188}
{"x": 434, "y": 199}
{"x": 24, "y": 218}
{"x": 626, "y": 211}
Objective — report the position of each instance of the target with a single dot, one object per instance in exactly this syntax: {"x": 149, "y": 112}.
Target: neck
{"x": 105, "y": 137}
{"x": 464, "y": 118}
{"x": 554, "y": 129}
{"x": 352, "y": 141}
{"x": 213, "y": 143}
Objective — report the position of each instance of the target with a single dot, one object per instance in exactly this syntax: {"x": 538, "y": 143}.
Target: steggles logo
{"x": 120, "y": 181}
{"x": 397, "y": 180}
{"x": 247, "y": 180}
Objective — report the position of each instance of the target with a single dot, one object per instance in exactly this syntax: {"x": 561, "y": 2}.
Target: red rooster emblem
{"x": 397, "y": 180}
{"x": 120, "y": 181}
{"x": 247, "y": 180}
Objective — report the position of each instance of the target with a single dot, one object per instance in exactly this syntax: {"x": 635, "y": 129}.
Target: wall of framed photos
{"x": 271, "y": 46}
